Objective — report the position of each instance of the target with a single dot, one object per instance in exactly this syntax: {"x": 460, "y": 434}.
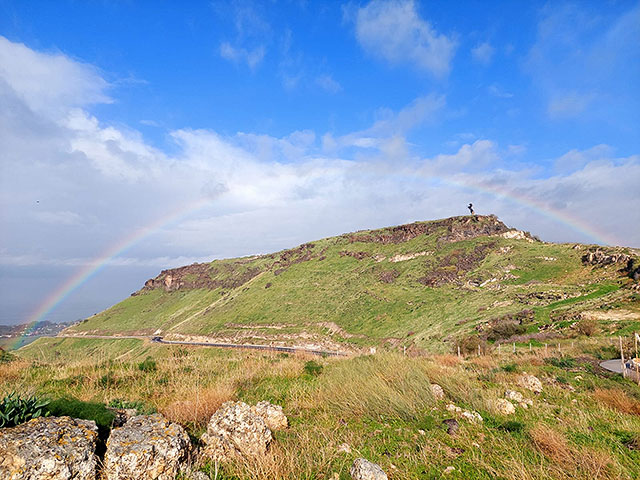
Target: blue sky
{"x": 297, "y": 120}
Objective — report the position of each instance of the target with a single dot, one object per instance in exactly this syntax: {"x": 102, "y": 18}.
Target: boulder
{"x": 363, "y": 469}
{"x": 146, "y": 447}
{"x": 505, "y": 407}
{"x": 235, "y": 430}
{"x": 513, "y": 395}
{"x": 437, "y": 391}
{"x": 51, "y": 448}
{"x": 530, "y": 382}
{"x": 271, "y": 414}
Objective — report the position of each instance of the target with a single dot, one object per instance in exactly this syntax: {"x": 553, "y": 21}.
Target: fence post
{"x": 458, "y": 351}
{"x": 529, "y": 346}
{"x": 624, "y": 370}
{"x": 546, "y": 348}
{"x": 514, "y": 347}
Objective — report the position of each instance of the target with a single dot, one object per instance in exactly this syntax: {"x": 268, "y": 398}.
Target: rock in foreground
{"x": 147, "y": 447}
{"x": 271, "y": 414}
{"x": 53, "y": 448}
{"x": 236, "y": 430}
{"x": 363, "y": 469}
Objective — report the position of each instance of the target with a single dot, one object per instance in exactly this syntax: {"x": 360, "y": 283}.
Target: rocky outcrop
{"x": 453, "y": 229}
{"x": 52, "y": 448}
{"x": 146, "y": 447}
{"x": 235, "y": 430}
{"x": 604, "y": 257}
{"x": 363, "y": 469}
{"x": 271, "y": 414}
{"x": 530, "y": 382}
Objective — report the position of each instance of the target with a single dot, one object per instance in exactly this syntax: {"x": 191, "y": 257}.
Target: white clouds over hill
{"x": 73, "y": 185}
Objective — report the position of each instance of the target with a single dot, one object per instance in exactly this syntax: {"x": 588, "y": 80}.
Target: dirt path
{"x": 216, "y": 345}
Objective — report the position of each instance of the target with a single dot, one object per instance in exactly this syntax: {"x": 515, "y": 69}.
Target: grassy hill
{"x": 423, "y": 286}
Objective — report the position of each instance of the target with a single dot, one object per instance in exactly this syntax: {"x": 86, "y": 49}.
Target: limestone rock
{"x": 530, "y": 382}
{"x": 513, "y": 395}
{"x": 474, "y": 417}
{"x": 146, "y": 447}
{"x": 466, "y": 414}
{"x": 271, "y": 414}
{"x": 365, "y": 470}
{"x": 505, "y": 407}
{"x": 438, "y": 392}
{"x": 52, "y": 448}
{"x": 235, "y": 430}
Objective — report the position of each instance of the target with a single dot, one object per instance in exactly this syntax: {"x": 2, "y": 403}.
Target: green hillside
{"x": 426, "y": 285}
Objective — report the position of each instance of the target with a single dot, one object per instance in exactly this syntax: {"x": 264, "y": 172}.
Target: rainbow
{"x": 91, "y": 269}
{"x": 575, "y": 223}
{"x": 96, "y": 265}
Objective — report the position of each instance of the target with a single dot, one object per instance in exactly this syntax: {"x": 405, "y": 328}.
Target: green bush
{"x": 312, "y": 368}
{"x": 148, "y": 365}
{"x": 15, "y": 410}
{"x": 512, "y": 426}
{"x": 510, "y": 367}
{"x": 566, "y": 362}
{"x": 6, "y": 357}
{"x": 140, "y": 407}
{"x": 75, "y": 408}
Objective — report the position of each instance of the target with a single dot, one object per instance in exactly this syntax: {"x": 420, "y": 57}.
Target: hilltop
{"x": 421, "y": 286}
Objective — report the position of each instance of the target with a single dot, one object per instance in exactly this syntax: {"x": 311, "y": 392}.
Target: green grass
{"x": 297, "y": 299}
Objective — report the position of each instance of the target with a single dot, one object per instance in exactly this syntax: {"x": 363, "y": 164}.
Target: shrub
{"x": 75, "y": 408}
{"x": 587, "y": 326}
{"x": 510, "y": 367}
{"x": 6, "y": 357}
{"x": 148, "y": 365}
{"x": 15, "y": 410}
{"x": 140, "y": 407}
{"x": 512, "y": 426}
{"x": 566, "y": 362}
{"x": 312, "y": 368}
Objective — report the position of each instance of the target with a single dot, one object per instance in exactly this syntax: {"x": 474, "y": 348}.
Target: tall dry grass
{"x": 618, "y": 400}
{"x": 385, "y": 384}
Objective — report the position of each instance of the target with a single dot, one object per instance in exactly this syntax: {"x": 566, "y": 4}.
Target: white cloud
{"x": 394, "y": 31}
{"x": 569, "y": 104}
{"x": 252, "y": 57}
{"x": 499, "y": 92}
{"x": 221, "y": 195}
{"x": 483, "y": 53}
{"x": 326, "y": 82}
{"x": 49, "y": 82}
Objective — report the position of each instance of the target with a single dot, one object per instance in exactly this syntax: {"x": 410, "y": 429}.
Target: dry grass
{"x": 387, "y": 384}
{"x": 204, "y": 403}
{"x": 618, "y": 400}
{"x": 552, "y": 444}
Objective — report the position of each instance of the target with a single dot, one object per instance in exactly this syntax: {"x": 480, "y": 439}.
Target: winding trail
{"x": 157, "y": 339}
